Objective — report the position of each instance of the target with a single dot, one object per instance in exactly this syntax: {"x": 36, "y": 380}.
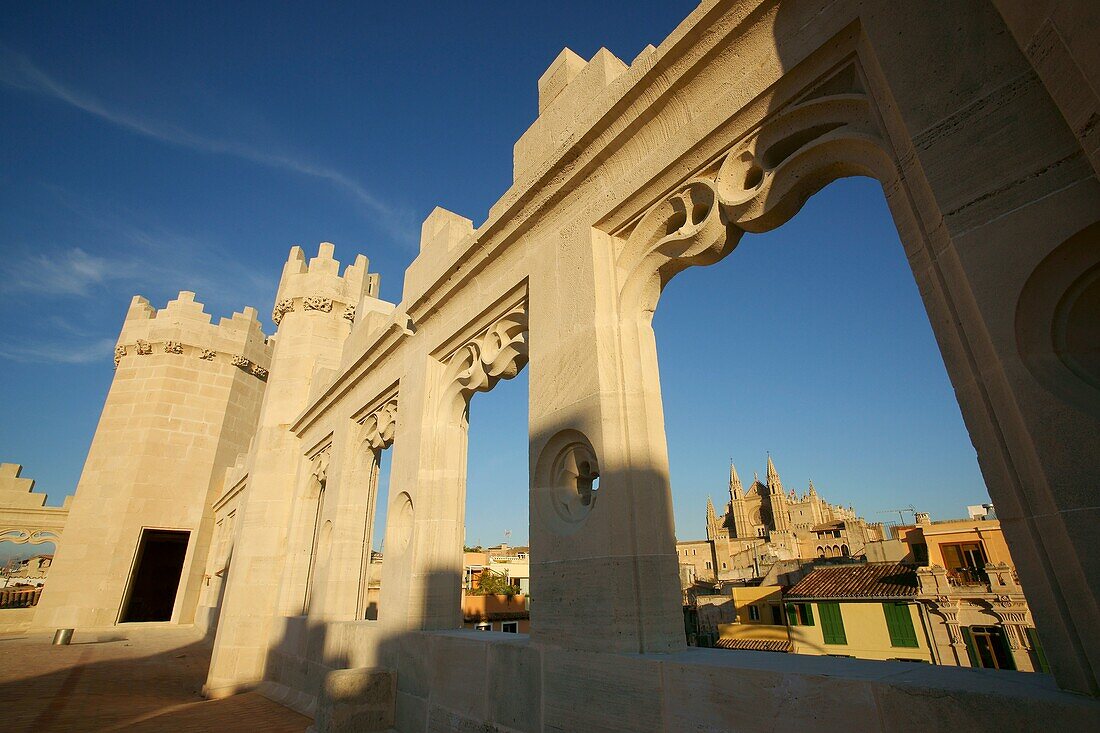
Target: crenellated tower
{"x": 315, "y": 311}
{"x": 184, "y": 401}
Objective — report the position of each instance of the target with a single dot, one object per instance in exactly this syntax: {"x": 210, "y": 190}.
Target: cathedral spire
{"x": 813, "y": 491}
{"x": 774, "y": 484}
{"x": 710, "y": 509}
{"x": 736, "y": 492}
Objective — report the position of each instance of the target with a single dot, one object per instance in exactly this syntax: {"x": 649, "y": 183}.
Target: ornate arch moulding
{"x": 757, "y": 184}
{"x": 25, "y": 536}
{"x": 496, "y": 351}
{"x": 379, "y": 425}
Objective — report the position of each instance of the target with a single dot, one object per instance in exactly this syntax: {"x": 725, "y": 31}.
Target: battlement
{"x": 318, "y": 285}
{"x": 567, "y": 90}
{"x": 184, "y": 328}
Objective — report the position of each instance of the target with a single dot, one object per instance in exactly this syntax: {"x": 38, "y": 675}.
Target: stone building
{"x": 768, "y": 523}
{"x": 978, "y": 119}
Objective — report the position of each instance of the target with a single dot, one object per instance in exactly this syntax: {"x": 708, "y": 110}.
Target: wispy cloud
{"x": 73, "y": 272}
{"x": 68, "y": 352}
{"x": 19, "y": 72}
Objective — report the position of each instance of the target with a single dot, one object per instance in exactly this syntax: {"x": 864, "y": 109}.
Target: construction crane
{"x": 901, "y": 512}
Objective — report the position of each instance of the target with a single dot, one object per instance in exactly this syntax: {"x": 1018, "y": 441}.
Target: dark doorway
{"x": 156, "y": 575}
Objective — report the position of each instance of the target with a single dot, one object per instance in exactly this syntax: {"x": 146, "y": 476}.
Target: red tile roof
{"x": 757, "y": 645}
{"x": 866, "y": 580}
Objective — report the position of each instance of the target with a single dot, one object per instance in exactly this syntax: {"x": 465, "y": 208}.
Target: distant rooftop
{"x": 868, "y": 580}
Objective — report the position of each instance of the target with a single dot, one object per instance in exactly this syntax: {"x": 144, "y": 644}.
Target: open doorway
{"x": 156, "y": 576}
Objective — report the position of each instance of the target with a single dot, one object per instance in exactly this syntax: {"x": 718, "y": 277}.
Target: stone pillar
{"x": 314, "y": 310}
{"x": 602, "y": 532}
{"x": 184, "y": 401}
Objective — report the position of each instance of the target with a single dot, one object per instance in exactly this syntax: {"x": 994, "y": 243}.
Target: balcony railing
{"x": 967, "y": 577}
{"x": 19, "y": 597}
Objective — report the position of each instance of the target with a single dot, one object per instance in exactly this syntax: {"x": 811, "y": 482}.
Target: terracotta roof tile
{"x": 866, "y": 580}
{"x": 757, "y": 645}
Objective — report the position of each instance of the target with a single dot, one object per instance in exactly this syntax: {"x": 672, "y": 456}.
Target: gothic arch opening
{"x": 811, "y": 341}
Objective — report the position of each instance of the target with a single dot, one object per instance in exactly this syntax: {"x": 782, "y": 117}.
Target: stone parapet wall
{"x": 184, "y": 329}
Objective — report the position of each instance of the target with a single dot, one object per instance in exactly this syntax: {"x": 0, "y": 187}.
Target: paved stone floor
{"x": 133, "y": 679}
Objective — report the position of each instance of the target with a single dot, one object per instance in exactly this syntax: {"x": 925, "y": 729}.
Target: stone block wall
{"x": 183, "y": 403}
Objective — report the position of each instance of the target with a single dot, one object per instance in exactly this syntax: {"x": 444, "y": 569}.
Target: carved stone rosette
{"x": 499, "y": 352}
{"x": 380, "y": 425}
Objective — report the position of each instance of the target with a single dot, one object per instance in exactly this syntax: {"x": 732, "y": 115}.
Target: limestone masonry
{"x": 232, "y": 479}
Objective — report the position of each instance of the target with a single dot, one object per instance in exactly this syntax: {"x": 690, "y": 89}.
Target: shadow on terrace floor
{"x": 128, "y": 678}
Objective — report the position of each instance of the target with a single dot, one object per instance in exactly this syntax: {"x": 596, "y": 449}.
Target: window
{"x": 708, "y": 564}
{"x": 777, "y": 615}
{"x": 800, "y": 614}
{"x": 986, "y": 647}
{"x": 832, "y": 624}
{"x": 754, "y": 613}
{"x": 899, "y": 622}
{"x": 510, "y": 627}
{"x": 723, "y": 566}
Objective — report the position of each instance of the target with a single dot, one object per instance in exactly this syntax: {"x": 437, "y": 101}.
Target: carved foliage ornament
{"x": 498, "y": 353}
{"x": 120, "y": 351}
{"x": 283, "y": 306}
{"x": 144, "y": 347}
{"x": 759, "y": 184}
{"x": 317, "y": 303}
{"x": 319, "y": 469}
{"x": 379, "y": 426}
{"x": 173, "y": 347}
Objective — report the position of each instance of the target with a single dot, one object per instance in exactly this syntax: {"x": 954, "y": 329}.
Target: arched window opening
{"x": 496, "y": 559}
{"x": 820, "y": 353}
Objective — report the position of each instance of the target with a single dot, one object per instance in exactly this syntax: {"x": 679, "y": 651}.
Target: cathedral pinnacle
{"x": 774, "y": 484}
{"x": 736, "y": 492}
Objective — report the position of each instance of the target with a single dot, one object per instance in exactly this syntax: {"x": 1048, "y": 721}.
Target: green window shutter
{"x": 1033, "y": 637}
{"x": 808, "y": 614}
{"x": 970, "y": 650}
{"x": 792, "y": 617}
{"x": 832, "y": 623}
{"x": 900, "y": 625}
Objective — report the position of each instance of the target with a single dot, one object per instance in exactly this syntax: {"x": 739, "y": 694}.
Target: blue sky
{"x": 152, "y": 148}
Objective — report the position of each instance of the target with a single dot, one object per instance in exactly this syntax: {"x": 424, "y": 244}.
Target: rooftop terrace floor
{"x": 133, "y": 678}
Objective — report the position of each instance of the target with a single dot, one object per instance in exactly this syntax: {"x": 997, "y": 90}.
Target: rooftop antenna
{"x": 901, "y": 512}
